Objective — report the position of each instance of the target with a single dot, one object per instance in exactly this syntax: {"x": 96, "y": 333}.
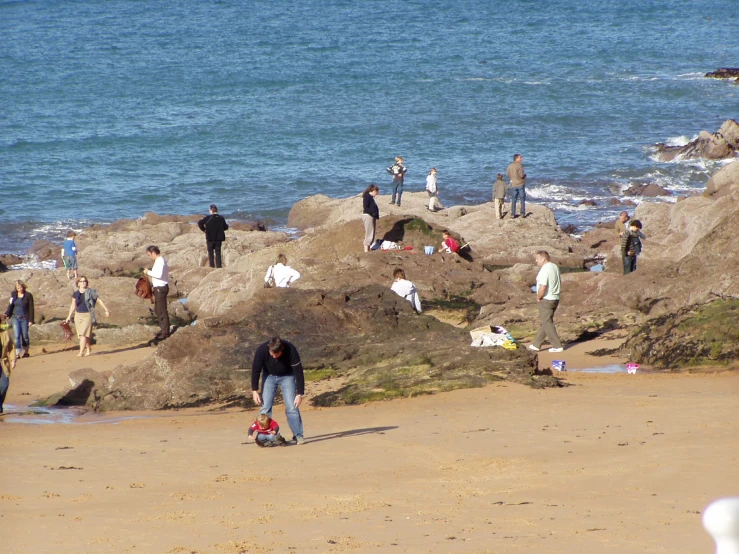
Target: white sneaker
{"x": 534, "y": 348}
{"x": 556, "y": 349}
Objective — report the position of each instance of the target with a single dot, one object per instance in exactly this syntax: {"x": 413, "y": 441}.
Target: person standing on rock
{"x": 69, "y": 256}
{"x": 20, "y": 312}
{"x": 279, "y": 361}
{"x": 517, "y": 176}
{"x": 623, "y": 217}
{"x": 214, "y": 227}
{"x": 83, "y": 307}
{"x": 370, "y": 215}
{"x": 631, "y": 245}
{"x": 432, "y": 188}
{"x": 547, "y": 295}
{"x": 159, "y": 274}
{"x": 499, "y": 188}
{"x": 398, "y": 171}
{"x": 7, "y": 361}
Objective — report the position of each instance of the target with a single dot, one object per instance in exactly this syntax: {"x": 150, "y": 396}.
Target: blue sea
{"x": 111, "y": 108}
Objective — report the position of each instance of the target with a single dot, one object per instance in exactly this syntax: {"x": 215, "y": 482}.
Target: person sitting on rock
{"x": 449, "y": 245}
{"x": 403, "y": 287}
{"x": 631, "y": 245}
{"x": 281, "y": 273}
{"x": 265, "y": 432}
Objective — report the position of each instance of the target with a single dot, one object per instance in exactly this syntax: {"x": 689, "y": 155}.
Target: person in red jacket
{"x": 265, "y": 432}
{"x": 449, "y": 245}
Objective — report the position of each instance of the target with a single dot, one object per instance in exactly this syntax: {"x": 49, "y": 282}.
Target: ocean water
{"x": 112, "y": 108}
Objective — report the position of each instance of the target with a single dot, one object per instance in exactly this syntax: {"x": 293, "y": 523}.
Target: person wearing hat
{"x": 214, "y": 227}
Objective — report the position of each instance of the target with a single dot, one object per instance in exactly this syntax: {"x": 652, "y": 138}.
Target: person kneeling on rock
{"x": 265, "y": 432}
{"x": 403, "y": 287}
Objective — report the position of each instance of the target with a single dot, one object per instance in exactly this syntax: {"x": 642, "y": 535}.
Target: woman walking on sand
{"x": 83, "y": 307}
{"x": 370, "y": 215}
{"x": 20, "y": 312}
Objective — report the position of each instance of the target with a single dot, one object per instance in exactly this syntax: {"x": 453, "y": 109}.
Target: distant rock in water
{"x": 649, "y": 190}
{"x": 7, "y": 260}
{"x": 720, "y": 145}
{"x": 725, "y": 73}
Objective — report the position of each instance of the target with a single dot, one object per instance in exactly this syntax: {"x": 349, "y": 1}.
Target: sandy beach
{"x": 613, "y": 462}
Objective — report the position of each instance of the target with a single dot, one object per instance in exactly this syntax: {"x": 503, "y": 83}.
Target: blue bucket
{"x": 428, "y": 249}
{"x": 559, "y": 365}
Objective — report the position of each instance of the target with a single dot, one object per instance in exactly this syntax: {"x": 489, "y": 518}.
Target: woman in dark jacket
{"x": 20, "y": 312}
{"x": 370, "y": 215}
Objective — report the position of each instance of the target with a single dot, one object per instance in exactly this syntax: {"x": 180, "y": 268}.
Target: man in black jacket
{"x": 214, "y": 227}
{"x": 280, "y": 363}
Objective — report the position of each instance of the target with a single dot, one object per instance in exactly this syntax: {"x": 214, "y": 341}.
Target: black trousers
{"x": 214, "y": 251}
{"x": 160, "y": 309}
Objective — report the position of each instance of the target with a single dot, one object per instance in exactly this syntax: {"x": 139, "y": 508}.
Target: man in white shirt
{"x": 159, "y": 274}
{"x": 547, "y": 294}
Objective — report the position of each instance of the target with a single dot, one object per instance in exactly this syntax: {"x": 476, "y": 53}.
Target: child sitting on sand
{"x": 265, "y": 432}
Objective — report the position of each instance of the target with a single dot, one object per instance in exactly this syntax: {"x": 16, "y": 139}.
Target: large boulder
{"x": 726, "y": 178}
{"x": 712, "y": 146}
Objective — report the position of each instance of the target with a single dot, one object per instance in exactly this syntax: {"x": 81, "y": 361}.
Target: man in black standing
{"x": 279, "y": 362}
{"x": 214, "y": 227}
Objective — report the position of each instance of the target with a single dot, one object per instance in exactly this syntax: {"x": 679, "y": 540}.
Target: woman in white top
{"x": 282, "y": 273}
{"x": 403, "y": 287}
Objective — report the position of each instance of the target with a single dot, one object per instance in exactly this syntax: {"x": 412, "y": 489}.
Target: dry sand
{"x": 621, "y": 463}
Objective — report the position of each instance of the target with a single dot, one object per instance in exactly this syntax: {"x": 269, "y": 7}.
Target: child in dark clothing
{"x": 265, "y": 432}
{"x": 631, "y": 245}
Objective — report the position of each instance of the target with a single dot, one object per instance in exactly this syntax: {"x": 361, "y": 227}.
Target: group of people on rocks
{"x": 371, "y": 213}
{"x": 277, "y": 362}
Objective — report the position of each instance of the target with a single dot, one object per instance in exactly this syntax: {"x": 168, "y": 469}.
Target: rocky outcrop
{"x": 723, "y": 180}
{"x": 725, "y": 73}
{"x": 693, "y": 336}
{"x": 349, "y": 325}
{"x": 648, "y": 190}
{"x": 711, "y": 146}
{"x": 369, "y": 336}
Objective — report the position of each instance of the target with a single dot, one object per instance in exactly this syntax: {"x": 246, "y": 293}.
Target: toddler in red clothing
{"x": 265, "y": 432}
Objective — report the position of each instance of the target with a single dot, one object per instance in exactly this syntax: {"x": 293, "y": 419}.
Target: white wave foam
{"x": 691, "y": 76}
{"x": 682, "y": 140}
{"x": 34, "y": 264}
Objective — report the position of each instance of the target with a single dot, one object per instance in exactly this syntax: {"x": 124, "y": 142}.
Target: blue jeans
{"x": 20, "y": 333}
{"x": 629, "y": 264}
{"x": 397, "y": 189}
{"x": 516, "y": 194}
{"x": 4, "y": 384}
{"x": 287, "y": 386}
{"x": 266, "y": 437}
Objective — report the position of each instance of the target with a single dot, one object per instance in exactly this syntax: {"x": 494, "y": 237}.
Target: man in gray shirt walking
{"x": 547, "y": 294}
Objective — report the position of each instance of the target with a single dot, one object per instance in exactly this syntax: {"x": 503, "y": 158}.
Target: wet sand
{"x": 615, "y": 462}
